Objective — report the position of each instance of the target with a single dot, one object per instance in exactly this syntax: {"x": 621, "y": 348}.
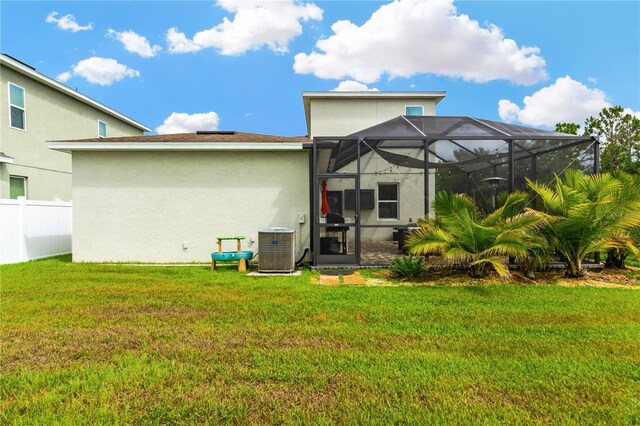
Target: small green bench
{"x": 241, "y": 256}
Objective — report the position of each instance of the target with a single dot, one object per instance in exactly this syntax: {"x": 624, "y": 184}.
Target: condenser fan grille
{"x": 277, "y": 250}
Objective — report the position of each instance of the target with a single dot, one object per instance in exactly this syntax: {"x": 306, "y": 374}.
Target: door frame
{"x": 315, "y": 181}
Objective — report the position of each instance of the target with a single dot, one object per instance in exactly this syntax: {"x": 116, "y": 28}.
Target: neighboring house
{"x": 374, "y": 159}
{"x": 34, "y": 109}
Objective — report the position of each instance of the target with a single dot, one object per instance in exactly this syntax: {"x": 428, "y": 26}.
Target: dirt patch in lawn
{"x": 607, "y": 278}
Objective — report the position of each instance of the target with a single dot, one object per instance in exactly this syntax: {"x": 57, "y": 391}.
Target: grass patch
{"x": 88, "y": 343}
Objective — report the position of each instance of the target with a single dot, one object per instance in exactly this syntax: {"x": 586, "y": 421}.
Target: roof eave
{"x": 25, "y": 70}
{"x": 69, "y": 146}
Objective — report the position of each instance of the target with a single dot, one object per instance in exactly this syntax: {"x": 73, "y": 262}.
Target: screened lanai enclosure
{"x": 369, "y": 188}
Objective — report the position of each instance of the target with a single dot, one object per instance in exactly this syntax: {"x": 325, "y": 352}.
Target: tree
{"x": 630, "y": 239}
{"x": 620, "y": 135}
{"x": 461, "y": 233}
{"x": 587, "y": 214}
{"x": 569, "y": 128}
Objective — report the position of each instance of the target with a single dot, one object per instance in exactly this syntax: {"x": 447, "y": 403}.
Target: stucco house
{"x": 34, "y": 109}
{"x": 369, "y": 166}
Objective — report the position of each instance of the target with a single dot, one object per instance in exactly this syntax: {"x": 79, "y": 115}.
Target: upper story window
{"x": 102, "y": 129}
{"x": 16, "y": 107}
{"x": 414, "y": 110}
{"x": 388, "y": 201}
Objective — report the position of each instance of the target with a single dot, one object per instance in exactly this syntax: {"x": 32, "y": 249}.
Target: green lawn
{"x": 121, "y": 344}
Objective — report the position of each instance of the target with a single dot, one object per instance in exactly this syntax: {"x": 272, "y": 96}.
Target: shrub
{"x": 461, "y": 233}
{"x": 407, "y": 267}
{"x": 586, "y": 214}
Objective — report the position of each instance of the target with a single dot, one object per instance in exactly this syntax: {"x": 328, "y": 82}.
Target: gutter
{"x": 176, "y": 146}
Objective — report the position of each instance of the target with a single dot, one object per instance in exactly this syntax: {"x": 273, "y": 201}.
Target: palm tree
{"x": 629, "y": 240}
{"x": 586, "y": 214}
{"x": 461, "y": 233}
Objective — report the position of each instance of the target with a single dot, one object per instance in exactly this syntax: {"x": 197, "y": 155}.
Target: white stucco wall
{"x": 136, "y": 206}
{"x": 344, "y": 116}
{"x": 375, "y": 170}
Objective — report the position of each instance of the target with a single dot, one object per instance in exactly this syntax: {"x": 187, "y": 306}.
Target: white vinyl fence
{"x": 31, "y": 229}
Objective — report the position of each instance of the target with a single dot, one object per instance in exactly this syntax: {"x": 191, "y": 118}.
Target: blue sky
{"x": 239, "y": 65}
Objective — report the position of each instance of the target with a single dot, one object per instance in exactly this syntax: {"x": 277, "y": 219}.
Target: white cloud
{"x": 566, "y": 100}
{"x": 102, "y": 71}
{"x": 255, "y": 23}
{"x": 592, "y": 80}
{"x": 404, "y": 38}
{"x": 179, "y": 43}
{"x": 180, "y": 122}
{"x": 67, "y": 22}
{"x": 636, "y": 114}
{"x": 135, "y": 43}
{"x": 64, "y": 77}
{"x": 508, "y": 111}
{"x": 353, "y": 86}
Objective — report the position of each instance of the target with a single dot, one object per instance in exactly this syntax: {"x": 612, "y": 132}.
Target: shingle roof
{"x": 201, "y": 137}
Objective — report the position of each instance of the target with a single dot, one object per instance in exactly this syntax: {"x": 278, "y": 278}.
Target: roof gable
{"x": 30, "y": 72}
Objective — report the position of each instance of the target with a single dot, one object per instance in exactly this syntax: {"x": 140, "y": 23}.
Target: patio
{"x": 386, "y": 176}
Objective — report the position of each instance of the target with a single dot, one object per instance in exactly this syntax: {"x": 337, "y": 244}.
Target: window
{"x": 17, "y": 187}
{"x": 102, "y": 129}
{"x": 387, "y": 201}
{"x": 16, "y": 107}
{"x": 414, "y": 110}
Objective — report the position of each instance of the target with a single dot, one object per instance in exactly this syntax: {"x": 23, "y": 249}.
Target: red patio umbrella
{"x": 325, "y": 202}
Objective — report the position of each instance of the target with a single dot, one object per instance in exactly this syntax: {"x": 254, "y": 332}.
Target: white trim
{"x": 413, "y": 106}
{"x": 24, "y": 109}
{"x": 6, "y": 159}
{"x": 105, "y": 129}
{"x": 176, "y": 146}
{"x": 363, "y": 94}
{"x": 25, "y": 70}
{"x": 40, "y": 203}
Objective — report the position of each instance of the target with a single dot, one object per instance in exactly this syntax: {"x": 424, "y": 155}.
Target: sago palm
{"x": 461, "y": 233}
{"x": 586, "y": 214}
{"x": 629, "y": 240}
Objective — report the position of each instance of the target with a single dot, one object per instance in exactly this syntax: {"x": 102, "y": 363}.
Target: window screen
{"x": 16, "y": 106}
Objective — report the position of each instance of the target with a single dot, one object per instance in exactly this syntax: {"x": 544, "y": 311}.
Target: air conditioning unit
{"x": 277, "y": 250}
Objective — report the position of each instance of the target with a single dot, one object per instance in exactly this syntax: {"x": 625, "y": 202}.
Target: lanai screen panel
{"x": 465, "y": 151}
{"x": 463, "y": 155}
